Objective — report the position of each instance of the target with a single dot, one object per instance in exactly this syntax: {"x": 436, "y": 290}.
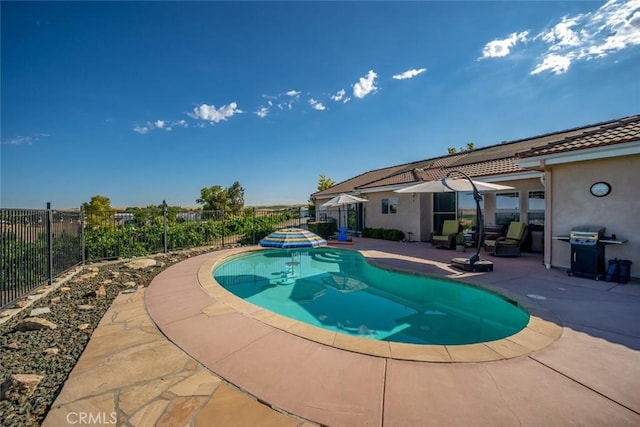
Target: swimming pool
{"x": 340, "y": 291}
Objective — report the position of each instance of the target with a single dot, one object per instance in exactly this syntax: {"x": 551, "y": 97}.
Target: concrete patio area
{"x": 182, "y": 352}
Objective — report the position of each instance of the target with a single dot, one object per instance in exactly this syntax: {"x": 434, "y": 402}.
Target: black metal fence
{"x": 36, "y": 246}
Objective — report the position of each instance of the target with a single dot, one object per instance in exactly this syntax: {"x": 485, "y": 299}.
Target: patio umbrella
{"x": 439, "y": 186}
{"x": 461, "y": 184}
{"x": 342, "y": 200}
{"x": 292, "y": 238}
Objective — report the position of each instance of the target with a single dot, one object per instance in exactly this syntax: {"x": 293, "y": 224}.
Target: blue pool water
{"x": 340, "y": 291}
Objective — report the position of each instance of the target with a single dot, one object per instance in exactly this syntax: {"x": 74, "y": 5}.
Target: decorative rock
{"x": 100, "y": 292}
{"x": 21, "y": 304}
{"x": 83, "y": 326}
{"x": 141, "y": 263}
{"x": 41, "y": 291}
{"x": 115, "y": 274}
{"x": 18, "y": 386}
{"x": 107, "y": 282}
{"x": 130, "y": 284}
{"x": 65, "y": 288}
{"x": 86, "y": 307}
{"x": 34, "y": 324}
{"x": 129, "y": 291}
{"x": 5, "y": 313}
{"x": 51, "y": 351}
{"x": 88, "y": 276}
{"x": 55, "y": 300}
{"x": 38, "y": 311}
{"x": 12, "y": 346}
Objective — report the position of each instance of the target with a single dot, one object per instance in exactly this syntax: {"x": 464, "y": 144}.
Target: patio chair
{"x": 447, "y": 238}
{"x": 510, "y": 244}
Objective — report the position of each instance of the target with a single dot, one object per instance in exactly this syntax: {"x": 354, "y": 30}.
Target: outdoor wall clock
{"x": 600, "y": 189}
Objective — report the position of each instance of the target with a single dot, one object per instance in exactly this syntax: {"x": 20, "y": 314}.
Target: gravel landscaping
{"x": 46, "y": 350}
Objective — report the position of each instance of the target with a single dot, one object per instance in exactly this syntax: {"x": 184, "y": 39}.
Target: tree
{"x": 453, "y": 150}
{"x": 212, "y": 198}
{"x": 235, "y": 198}
{"x": 216, "y": 198}
{"x": 99, "y": 213}
{"x": 324, "y": 182}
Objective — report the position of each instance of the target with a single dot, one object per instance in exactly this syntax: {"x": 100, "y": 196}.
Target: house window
{"x": 535, "y": 208}
{"x": 467, "y": 211}
{"x": 507, "y": 208}
{"x": 444, "y": 207}
{"x": 390, "y": 205}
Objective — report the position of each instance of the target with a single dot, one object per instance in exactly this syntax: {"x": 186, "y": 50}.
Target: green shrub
{"x": 392, "y": 234}
{"x": 383, "y": 233}
{"x": 373, "y": 233}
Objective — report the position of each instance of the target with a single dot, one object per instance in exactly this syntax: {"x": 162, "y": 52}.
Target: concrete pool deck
{"x": 239, "y": 365}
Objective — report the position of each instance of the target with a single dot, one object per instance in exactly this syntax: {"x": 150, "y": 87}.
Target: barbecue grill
{"x": 587, "y": 251}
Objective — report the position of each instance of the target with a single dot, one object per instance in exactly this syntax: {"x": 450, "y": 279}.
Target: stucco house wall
{"x": 407, "y": 219}
{"x": 572, "y": 205}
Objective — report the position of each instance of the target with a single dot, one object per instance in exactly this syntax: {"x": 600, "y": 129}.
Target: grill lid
{"x": 586, "y": 234}
{"x": 589, "y": 229}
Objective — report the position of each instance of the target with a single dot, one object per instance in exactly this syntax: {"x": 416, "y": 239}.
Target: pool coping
{"x": 538, "y": 334}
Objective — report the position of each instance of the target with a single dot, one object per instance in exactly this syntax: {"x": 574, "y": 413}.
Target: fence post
{"x": 49, "y": 230}
{"x": 253, "y": 227}
{"x": 84, "y": 257}
{"x": 223, "y": 227}
{"x": 164, "y": 216}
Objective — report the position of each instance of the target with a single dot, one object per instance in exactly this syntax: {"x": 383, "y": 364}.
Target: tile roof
{"x": 496, "y": 159}
{"x": 617, "y": 132}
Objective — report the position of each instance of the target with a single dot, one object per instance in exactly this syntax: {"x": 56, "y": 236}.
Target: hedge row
{"x": 383, "y": 233}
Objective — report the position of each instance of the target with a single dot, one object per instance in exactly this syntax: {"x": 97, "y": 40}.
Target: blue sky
{"x": 151, "y": 101}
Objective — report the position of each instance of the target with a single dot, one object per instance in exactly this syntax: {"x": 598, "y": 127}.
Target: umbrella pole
{"x": 473, "y": 263}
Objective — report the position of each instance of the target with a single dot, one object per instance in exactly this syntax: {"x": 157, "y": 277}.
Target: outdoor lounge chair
{"x": 447, "y": 238}
{"x": 510, "y": 244}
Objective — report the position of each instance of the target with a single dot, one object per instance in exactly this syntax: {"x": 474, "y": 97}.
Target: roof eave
{"x": 595, "y": 153}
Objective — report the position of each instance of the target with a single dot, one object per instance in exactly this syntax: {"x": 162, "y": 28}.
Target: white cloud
{"x": 561, "y": 35}
{"x": 27, "y": 140}
{"x": 409, "y": 74}
{"x": 215, "y": 115}
{"x": 317, "y": 105}
{"x": 557, "y": 64}
{"x": 161, "y": 124}
{"x": 293, "y": 93}
{"x": 614, "y": 26}
{"x": 501, "y": 48}
{"x": 341, "y": 96}
{"x": 262, "y": 112}
{"x": 141, "y": 129}
{"x": 288, "y": 105}
{"x": 365, "y": 85}
{"x": 180, "y": 123}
